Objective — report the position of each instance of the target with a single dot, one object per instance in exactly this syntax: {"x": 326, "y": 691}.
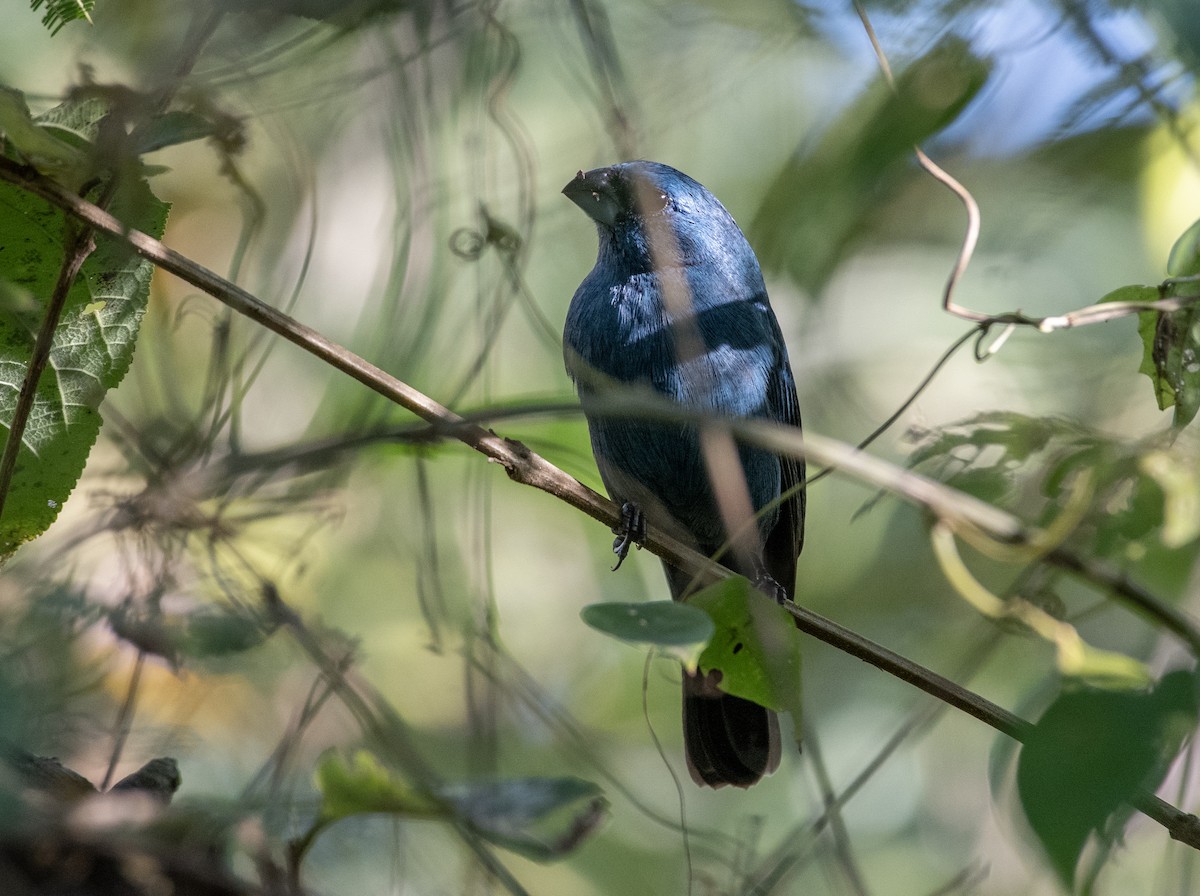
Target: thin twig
{"x": 124, "y": 719}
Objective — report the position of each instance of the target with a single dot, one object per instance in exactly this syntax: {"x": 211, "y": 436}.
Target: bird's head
{"x": 647, "y": 212}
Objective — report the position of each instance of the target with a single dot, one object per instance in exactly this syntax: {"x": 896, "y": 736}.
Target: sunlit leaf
{"x": 755, "y": 647}
{"x": 1090, "y": 753}
{"x": 1029, "y": 465}
{"x": 61, "y": 12}
{"x": 32, "y": 142}
{"x": 363, "y": 785}
{"x": 92, "y": 348}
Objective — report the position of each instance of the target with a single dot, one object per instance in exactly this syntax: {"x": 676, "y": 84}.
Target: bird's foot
{"x": 766, "y": 583}
{"x": 631, "y": 531}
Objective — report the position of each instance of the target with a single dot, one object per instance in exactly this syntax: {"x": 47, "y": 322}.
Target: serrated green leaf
{"x": 676, "y": 629}
{"x": 1030, "y": 466}
{"x": 33, "y": 143}
{"x": 1184, "y": 260}
{"x": 1088, "y": 756}
{"x": 362, "y": 785}
{"x": 539, "y": 818}
{"x": 754, "y": 647}
{"x": 91, "y": 352}
{"x": 76, "y": 120}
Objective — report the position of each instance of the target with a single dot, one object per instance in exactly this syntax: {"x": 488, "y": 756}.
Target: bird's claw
{"x": 631, "y": 532}
{"x": 765, "y": 582}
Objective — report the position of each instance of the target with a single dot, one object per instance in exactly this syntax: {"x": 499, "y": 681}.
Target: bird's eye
{"x": 651, "y": 200}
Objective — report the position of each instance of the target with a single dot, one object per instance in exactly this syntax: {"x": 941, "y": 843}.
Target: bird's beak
{"x": 594, "y": 192}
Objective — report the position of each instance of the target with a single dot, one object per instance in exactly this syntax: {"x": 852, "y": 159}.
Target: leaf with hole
{"x": 754, "y": 647}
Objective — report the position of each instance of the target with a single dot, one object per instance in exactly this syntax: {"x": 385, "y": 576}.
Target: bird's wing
{"x": 787, "y": 537}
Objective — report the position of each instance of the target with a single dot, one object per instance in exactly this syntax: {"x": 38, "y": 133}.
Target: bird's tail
{"x": 727, "y": 740}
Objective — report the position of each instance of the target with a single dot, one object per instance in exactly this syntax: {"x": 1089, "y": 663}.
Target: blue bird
{"x": 676, "y": 302}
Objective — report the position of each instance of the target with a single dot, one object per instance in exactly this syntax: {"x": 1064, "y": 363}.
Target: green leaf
{"x": 1133, "y": 293}
{"x": 679, "y": 630}
{"x": 1184, "y": 260}
{"x": 60, "y": 12}
{"x": 172, "y": 128}
{"x": 76, "y": 121}
{"x": 362, "y": 785}
{"x": 215, "y": 633}
{"x": 1171, "y": 358}
{"x": 1137, "y": 489}
{"x": 539, "y": 818}
{"x": 34, "y": 143}
{"x": 91, "y": 352}
{"x": 820, "y": 199}
{"x": 755, "y": 647}
{"x": 1091, "y": 753}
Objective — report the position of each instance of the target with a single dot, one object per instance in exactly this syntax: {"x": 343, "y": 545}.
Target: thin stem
{"x": 124, "y": 719}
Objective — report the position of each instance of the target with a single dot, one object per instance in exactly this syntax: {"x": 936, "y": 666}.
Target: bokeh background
{"x": 398, "y": 190}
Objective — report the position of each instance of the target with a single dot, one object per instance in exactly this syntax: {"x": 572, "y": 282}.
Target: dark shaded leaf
{"x": 171, "y": 129}
{"x": 48, "y": 775}
{"x": 158, "y": 778}
{"x": 678, "y": 629}
{"x": 1090, "y": 753}
{"x": 1171, "y": 339}
{"x": 540, "y": 818}
{"x": 213, "y": 633}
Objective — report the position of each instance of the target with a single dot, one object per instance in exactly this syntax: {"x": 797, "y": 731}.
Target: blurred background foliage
{"x": 390, "y": 175}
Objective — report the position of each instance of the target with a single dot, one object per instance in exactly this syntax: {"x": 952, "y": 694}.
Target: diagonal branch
{"x": 526, "y": 467}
